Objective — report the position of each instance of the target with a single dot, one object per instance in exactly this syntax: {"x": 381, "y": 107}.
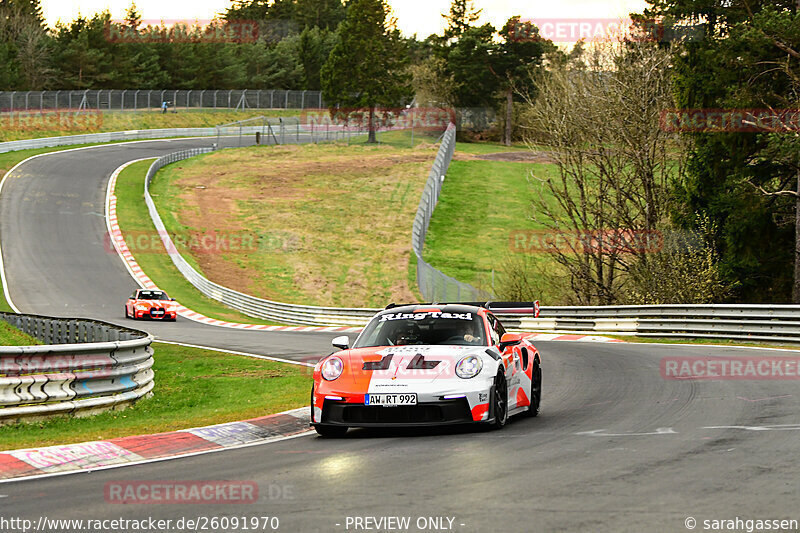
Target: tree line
{"x": 284, "y": 49}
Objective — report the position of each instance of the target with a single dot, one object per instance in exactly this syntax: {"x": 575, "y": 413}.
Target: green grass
{"x": 322, "y": 265}
{"x": 480, "y": 148}
{"x": 134, "y": 221}
{"x": 333, "y": 221}
{"x": 11, "y": 336}
{"x": 48, "y": 124}
{"x": 193, "y": 387}
{"x": 481, "y": 204}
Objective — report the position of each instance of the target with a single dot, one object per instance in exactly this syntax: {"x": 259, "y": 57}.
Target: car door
{"x": 511, "y": 360}
{"x": 131, "y": 303}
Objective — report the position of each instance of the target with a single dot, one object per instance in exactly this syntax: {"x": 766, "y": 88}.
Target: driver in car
{"x": 466, "y": 331}
{"x": 406, "y": 334}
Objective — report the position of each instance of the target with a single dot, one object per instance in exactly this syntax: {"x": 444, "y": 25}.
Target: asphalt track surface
{"x": 59, "y": 260}
{"x": 616, "y": 447}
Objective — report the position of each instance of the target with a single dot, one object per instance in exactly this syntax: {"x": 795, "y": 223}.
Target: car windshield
{"x": 153, "y": 295}
{"x": 431, "y": 328}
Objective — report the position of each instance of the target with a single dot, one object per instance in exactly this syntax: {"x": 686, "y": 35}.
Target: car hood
{"x": 155, "y": 303}
{"x": 433, "y": 362}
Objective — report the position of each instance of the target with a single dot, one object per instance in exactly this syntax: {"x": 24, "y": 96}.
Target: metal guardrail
{"x": 434, "y": 285}
{"x": 84, "y": 366}
{"x": 739, "y": 322}
{"x": 285, "y": 130}
{"x": 144, "y": 99}
{"x": 91, "y": 138}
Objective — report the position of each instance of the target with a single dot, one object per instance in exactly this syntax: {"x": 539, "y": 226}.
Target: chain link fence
{"x": 291, "y": 130}
{"x": 144, "y": 100}
{"x": 435, "y": 285}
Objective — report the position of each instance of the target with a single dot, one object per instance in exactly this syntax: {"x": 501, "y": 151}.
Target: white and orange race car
{"x": 427, "y": 365}
{"x": 145, "y": 303}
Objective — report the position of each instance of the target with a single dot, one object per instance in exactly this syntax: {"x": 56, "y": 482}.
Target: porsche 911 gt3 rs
{"x": 424, "y": 365}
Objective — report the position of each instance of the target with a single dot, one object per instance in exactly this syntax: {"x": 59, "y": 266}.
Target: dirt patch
{"x": 348, "y": 210}
{"x": 518, "y": 157}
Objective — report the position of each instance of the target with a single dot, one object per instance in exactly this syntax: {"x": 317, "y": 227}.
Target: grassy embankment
{"x": 135, "y": 222}
{"x": 330, "y": 224}
{"x": 482, "y": 206}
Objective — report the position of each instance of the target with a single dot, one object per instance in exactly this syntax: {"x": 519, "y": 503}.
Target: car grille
{"x": 445, "y": 412}
{"x": 157, "y": 312}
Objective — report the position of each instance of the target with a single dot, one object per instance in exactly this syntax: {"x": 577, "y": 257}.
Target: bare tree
{"x": 614, "y": 164}
{"x": 432, "y": 85}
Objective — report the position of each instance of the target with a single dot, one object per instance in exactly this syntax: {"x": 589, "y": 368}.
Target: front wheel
{"x": 500, "y": 401}
{"x": 127, "y": 314}
{"x": 536, "y": 391}
{"x": 331, "y": 431}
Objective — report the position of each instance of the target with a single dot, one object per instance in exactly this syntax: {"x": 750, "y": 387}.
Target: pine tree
{"x": 367, "y": 67}
{"x": 461, "y": 17}
{"x": 323, "y": 14}
{"x": 133, "y": 19}
{"x": 25, "y": 44}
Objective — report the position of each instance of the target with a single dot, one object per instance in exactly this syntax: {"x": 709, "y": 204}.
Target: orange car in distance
{"x": 154, "y": 304}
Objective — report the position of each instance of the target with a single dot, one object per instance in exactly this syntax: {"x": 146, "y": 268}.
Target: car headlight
{"x": 141, "y": 308}
{"x": 332, "y": 368}
{"x": 469, "y": 367}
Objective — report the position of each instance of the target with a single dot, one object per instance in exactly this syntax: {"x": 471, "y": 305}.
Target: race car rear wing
{"x": 500, "y": 308}
{"x": 513, "y": 308}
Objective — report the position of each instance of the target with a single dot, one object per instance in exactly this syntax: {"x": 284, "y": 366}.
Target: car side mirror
{"x": 172, "y": 299}
{"x": 342, "y": 342}
{"x": 510, "y": 339}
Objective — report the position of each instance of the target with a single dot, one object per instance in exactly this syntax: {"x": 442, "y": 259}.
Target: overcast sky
{"x": 422, "y": 17}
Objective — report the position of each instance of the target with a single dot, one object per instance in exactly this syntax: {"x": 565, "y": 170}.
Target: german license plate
{"x": 390, "y": 399}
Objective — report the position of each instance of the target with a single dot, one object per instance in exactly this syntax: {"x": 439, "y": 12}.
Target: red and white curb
{"x": 144, "y": 280}
{"x": 70, "y": 458}
{"x": 574, "y": 338}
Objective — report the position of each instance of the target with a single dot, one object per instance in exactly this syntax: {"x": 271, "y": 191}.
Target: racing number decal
{"x": 383, "y": 364}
